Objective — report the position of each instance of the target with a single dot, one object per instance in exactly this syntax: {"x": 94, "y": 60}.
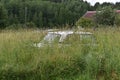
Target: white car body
{"x": 50, "y": 37}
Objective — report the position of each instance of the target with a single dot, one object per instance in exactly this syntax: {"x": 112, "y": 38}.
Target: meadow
{"x": 19, "y": 60}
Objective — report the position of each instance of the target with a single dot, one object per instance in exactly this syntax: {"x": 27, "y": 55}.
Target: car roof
{"x": 70, "y": 32}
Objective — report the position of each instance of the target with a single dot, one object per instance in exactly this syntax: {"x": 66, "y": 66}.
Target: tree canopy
{"x": 105, "y": 16}
{"x": 45, "y": 13}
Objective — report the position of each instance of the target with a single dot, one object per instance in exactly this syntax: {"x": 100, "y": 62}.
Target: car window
{"x": 78, "y": 39}
{"x": 57, "y": 38}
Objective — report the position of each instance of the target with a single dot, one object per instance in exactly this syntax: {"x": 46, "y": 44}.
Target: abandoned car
{"x": 66, "y": 37}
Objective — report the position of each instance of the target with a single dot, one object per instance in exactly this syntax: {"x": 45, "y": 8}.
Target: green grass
{"x": 19, "y": 60}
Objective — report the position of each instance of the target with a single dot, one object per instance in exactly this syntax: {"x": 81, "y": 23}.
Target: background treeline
{"x": 45, "y": 13}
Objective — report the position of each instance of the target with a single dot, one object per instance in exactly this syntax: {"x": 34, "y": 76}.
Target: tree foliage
{"x": 3, "y": 16}
{"x": 45, "y": 13}
{"x": 117, "y": 20}
{"x": 105, "y": 16}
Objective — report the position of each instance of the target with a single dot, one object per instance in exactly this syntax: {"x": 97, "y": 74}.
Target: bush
{"x": 85, "y": 22}
{"x": 14, "y": 27}
{"x": 117, "y": 20}
{"x": 30, "y": 25}
{"x": 105, "y": 16}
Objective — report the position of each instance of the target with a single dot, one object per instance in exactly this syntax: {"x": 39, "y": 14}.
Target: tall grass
{"x": 19, "y": 60}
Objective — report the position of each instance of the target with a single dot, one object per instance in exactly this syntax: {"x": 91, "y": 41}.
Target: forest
{"x": 45, "y": 13}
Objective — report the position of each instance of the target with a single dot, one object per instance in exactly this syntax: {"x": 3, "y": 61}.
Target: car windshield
{"x": 68, "y": 38}
{"x": 51, "y": 37}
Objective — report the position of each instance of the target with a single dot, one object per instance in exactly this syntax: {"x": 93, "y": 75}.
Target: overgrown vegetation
{"x": 45, "y": 13}
{"x": 19, "y": 60}
{"x": 104, "y": 16}
{"x": 85, "y": 23}
{"x": 117, "y": 20}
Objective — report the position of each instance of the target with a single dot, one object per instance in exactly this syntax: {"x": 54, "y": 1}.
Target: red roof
{"x": 90, "y": 14}
{"x": 118, "y": 11}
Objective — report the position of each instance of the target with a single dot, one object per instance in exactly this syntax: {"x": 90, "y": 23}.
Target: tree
{"x": 117, "y": 20}
{"x": 105, "y": 4}
{"x": 97, "y": 5}
{"x": 105, "y": 16}
{"x": 45, "y": 13}
{"x": 117, "y": 5}
{"x": 3, "y": 17}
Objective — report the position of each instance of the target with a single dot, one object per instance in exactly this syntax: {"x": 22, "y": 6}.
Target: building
{"x": 90, "y": 14}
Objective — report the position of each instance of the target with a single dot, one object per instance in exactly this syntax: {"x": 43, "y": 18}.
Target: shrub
{"x": 85, "y": 22}
{"x": 117, "y": 20}
{"x": 3, "y": 17}
{"x": 30, "y": 25}
{"x": 105, "y": 16}
{"x": 14, "y": 27}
